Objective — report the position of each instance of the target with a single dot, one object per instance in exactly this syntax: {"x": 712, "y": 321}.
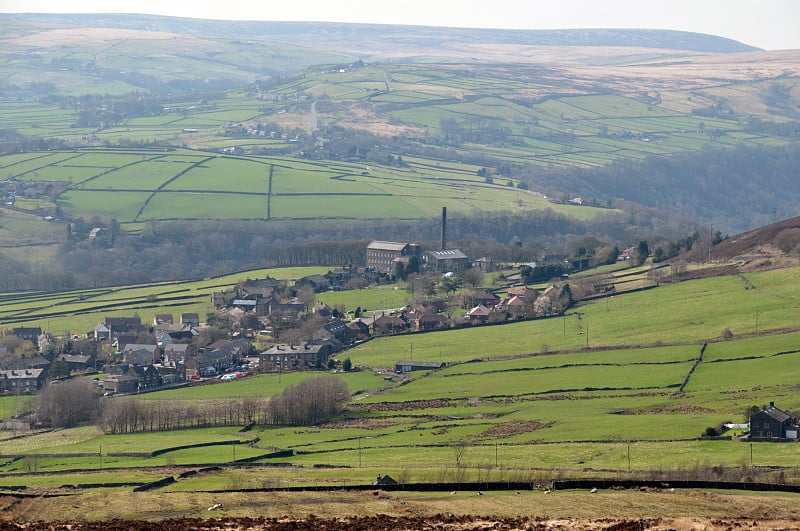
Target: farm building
{"x": 382, "y": 256}
{"x": 410, "y": 366}
{"x": 772, "y": 423}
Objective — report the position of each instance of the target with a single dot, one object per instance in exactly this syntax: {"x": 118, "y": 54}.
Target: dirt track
{"x": 389, "y": 523}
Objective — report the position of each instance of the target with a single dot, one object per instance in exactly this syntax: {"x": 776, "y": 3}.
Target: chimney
{"x": 444, "y": 228}
{"x": 772, "y": 404}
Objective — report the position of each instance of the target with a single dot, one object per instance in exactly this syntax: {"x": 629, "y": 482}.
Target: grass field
{"x": 504, "y": 407}
{"x": 134, "y": 186}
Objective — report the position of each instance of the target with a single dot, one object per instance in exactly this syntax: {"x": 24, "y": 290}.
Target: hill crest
{"x": 351, "y": 36}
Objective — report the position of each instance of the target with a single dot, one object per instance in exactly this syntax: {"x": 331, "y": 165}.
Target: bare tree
{"x": 68, "y": 403}
{"x": 309, "y": 402}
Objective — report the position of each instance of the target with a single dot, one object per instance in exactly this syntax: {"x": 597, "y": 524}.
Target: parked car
{"x": 228, "y": 377}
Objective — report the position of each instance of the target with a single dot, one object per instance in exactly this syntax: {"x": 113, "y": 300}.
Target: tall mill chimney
{"x": 444, "y": 228}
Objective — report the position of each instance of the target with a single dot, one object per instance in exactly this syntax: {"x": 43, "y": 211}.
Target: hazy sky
{"x": 768, "y": 24}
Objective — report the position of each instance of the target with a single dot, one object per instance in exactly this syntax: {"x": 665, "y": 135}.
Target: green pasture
{"x": 226, "y": 174}
{"x": 136, "y": 185}
{"x": 544, "y": 380}
{"x": 122, "y": 206}
{"x": 263, "y": 386}
{"x": 204, "y": 205}
{"x": 368, "y": 299}
{"x": 631, "y": 319}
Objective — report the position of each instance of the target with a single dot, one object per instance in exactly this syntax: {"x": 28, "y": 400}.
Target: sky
{"x": 767, "y": 24}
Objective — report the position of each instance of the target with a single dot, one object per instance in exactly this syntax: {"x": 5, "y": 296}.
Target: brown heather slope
{"x": 755, "y": 249}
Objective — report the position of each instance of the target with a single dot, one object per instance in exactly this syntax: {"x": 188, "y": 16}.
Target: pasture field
{"x": 82, "y": 310}
{"x": 154, "y": 185}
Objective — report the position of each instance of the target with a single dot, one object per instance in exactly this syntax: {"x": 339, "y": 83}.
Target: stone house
{"x": 289, "y": 357}
{"x": 23, "y": 381}
{"x": 772, "y": 423}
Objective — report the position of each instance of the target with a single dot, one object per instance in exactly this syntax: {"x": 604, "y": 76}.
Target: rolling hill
{"x": 503, "y": 124}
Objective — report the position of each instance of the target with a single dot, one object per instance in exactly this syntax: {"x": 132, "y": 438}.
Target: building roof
{"x": 777, "y": 414}
{"x": 387, "y": 246}
{"x": 21, "y": 374}
{"x": 74, "y": 358}
{"x": 133, "y": 347}
{"x": 425, "y": 364}
{"x": 447, "y": 254}
{"x": 176, "y": 347}
{"x": 479, "y": 311}
{"x": 121, "y": 377}
{"x": 308, "y": 348}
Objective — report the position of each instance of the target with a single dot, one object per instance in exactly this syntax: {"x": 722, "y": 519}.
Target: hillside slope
{"x": 768, "y": 247}
{"x": 352, "y": 37}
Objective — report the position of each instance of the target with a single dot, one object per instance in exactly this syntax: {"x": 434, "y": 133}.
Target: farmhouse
{"x": 387, "y": 325}
{"x": 382, "y": 256}
{"x": 772, "y": 423}
{"x": 358, "y": 330}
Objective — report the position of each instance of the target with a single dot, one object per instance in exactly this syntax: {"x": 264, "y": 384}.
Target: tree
{"x": 472, "y": 277}
{"x": 412, "y": 266}
{"x": 310, "y": 402}
{"x": 749, "y": 411}
{"x": 306, "y": 295}
{"x": 399, "y": 271}
{"x": 67, "y": 403}
{"x": 347, "y": 365}
{"x": 642, "y": 250}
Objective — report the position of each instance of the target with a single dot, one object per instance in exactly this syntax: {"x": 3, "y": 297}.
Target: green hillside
{"x": 630, "y": 390}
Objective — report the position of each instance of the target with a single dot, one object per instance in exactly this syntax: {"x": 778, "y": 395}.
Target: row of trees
{"x": 131, "y": 414}
{"x": 69, "y": 403}
{"x": 310, "y": 402}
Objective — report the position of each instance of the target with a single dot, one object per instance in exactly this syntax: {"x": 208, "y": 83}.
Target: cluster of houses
{"x": 264, "y": 296}
{"x": 170, "y": 356}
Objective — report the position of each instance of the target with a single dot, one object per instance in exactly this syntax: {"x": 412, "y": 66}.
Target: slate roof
{"x": 387, "y": 246}
{"x": 777, "y": 414}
